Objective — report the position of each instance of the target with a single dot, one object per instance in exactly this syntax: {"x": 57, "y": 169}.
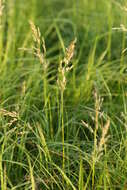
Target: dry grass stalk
{"x": 87, "y": 126}
{"x": 39, "y": 43}
{"x": 64, "y": 66}
{"x": 8, "y": 113}
{"x": 99, "y": 146}
{"x": 13, "y": 115}
{"x": 98, "y": 104}
{"x": 63, "y": 69}
{"x": 70, "y": 52}
{"x": 104, "y": 138}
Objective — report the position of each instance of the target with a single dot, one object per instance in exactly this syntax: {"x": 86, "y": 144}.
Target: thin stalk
{"x": 45, "y": 94}
{"x": 93, "y": 159}
{"x": 1, "y": 31}
{"x": 1, "y": 172}
{"x": 62, "y": 125}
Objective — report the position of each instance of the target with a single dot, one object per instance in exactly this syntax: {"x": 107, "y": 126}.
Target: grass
{"x": 63, "y": 102}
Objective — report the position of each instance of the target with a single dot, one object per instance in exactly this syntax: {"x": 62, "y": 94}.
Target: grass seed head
{"x": 70, "y": 52}
{"x": 13, "y": 116}
{"x": 64, "y": 66}
{"x": 87, "y": 126}
{"x": 103, "y": 139}
{"x": 99, "y": 147}
{"x": 39, "y": 48}
{"x": 36, "y": 33}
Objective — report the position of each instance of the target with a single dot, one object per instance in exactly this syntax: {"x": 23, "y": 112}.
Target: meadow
{"x": 63, "y": 95}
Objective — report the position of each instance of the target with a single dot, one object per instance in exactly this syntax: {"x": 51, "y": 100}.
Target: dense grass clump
{"x": 63, "y": 94}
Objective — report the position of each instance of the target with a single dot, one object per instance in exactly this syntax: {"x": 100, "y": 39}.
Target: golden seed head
{"x": 103, "y": 139}
{"x": 39, "y": 42}
{"x": 35, "y": 32}
{"x": 70, "y": 51}
{"x": 64, "y": 67}
{"x": 12, "y": 115}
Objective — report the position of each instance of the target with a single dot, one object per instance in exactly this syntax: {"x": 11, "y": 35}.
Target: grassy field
{"x": 63, "y": 94}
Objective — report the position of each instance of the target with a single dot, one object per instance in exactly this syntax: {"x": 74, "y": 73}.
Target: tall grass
{"x": 63, "y": 102}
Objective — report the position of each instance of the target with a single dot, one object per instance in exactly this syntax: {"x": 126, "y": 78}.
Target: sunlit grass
{"x": 59, "y": 129}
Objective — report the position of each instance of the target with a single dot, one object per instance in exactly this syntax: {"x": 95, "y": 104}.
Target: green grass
{"x": 55, "y": 139}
